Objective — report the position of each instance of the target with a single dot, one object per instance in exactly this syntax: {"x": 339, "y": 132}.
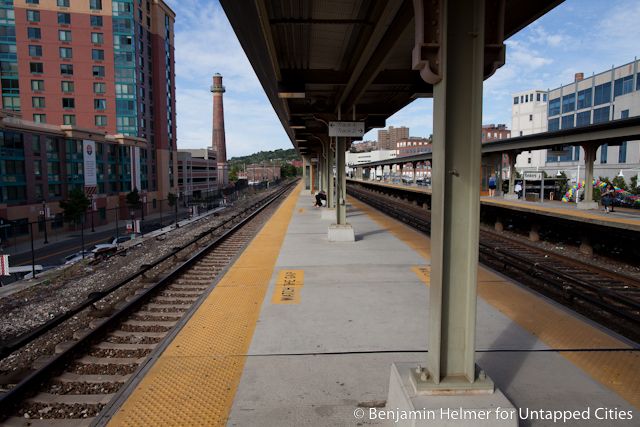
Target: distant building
{"x": 412, "y": 146}
{"x": 197, "y": 172}
{"x": 610, "y": 95}
{"x": 388, "y": 138}
{"x": 495, "y": 133}
{"x": 364, "y": 146}
{"x": 259, "y": 172}
{"x": 354, "y": 159}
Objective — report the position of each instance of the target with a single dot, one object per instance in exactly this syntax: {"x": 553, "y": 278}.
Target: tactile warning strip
{"x": 617, "y": 370}
{"x": 196, "y": 377}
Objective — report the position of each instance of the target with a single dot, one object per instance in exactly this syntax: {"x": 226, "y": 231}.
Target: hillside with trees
{"x": 279, "y": 155}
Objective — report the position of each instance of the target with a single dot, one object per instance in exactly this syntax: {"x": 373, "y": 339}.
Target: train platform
{"x": 301, "y": 331}
{"x": 621, "y": 218}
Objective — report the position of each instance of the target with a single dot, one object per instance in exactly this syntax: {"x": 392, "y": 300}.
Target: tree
{"x": 619, "y": 182}
{"x": 75, "y": 206}
{"x": 633, "y": 188}
{"x": 173, "y": 201}
{"x": 233, "y": 173}
{"x": 288, "y": 170}
{"x": 133, "y": 199}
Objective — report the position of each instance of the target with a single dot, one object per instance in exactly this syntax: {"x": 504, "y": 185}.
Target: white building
{"x": 529, "y": 116}
{"x": 354, "y": 159}
{"x": 610, "y": 95}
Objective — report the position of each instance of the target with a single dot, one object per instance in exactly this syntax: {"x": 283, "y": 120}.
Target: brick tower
{"x": 218, "y": 139}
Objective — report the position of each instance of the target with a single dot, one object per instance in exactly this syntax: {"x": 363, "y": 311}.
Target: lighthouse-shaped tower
{"x": 218, "y": 139}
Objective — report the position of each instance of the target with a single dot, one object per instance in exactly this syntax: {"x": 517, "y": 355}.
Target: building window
{"x": 622, "y": 153}
{"x": 36, "y": 67}
{"x": 33, "y": 1}
{"x": 569, "y": 103}
{"x": 11, "y": 103}
{"x": 35, "y": 50}
{"x": 96, "y": 21}
{"x": 66, "y": 69}
{"x": 68, "y": 103}
{"x": 568, "y": 122}
{"x": 526, "y": 98}
{"x": 63, "y": 3}
{"x": 515, "y": 100}
{"x": 64, "y": 18}
{"x": 538, "y": 97}
{"x": 583, "y": 119}
{"x": 95, "y": 4}
{"x": 601, "y": 115}
{"x": 67, "y": 87}
{"x": 97, "y": 54}
{"x": 101, "y": 120}
{"x": 33, "y": 15}
{"x": 34, "y": 33}
{"x": 554, "y": 107}
{"x": 604, "y": 148}
{"x": 530, "y": 117}
{"x": 97, "y": 38}
{"x": 66, "y": 53}
{"x": 624, "y": 114}
{"x": 638, "y": 81}
{"x": 584, "y": 99}
{"x": 602, "y": 94}
{"x": 40, "y": 118}
{"x": 98, "y": 71}
{"x": 100, "y": 104}
{"x": 99, "y": 88}
{"x": 69, "y": 119}
{"x": 37, "y": 102}
{"x": 64, "y": 35}
{"x": 554, "y": 124}
{"x": 623, "y": 86}
{"x": 37, "y": 85}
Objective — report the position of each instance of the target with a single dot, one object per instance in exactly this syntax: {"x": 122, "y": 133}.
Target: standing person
{"x": 518, "y": 189}
{"x": 607, "y": 198}
{"x": 492, "y": 185}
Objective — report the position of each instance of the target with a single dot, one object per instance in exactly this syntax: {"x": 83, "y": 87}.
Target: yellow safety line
{"x": 195, "y": 379}
{"x": 617, "y": 370}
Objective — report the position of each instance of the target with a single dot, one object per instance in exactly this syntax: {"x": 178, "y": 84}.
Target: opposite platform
{"x": 302, "y": 331}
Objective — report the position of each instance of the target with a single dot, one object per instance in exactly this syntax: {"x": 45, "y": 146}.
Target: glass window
{"x": 35, "y": 50}
{"x": 69, "y": 119}
{"x": 64, "y": 18}
{"x": 66, "y": 69}
{"x": 568, "y": 121}
{"x": 35, "y": 145}
{"x": 583, "y": 119}
{"x": 544, "y": 97}
{"x": 569, "y": 103}
{"x": 638, "y": 81}
{"x": 624, "y": 114}
{"x": 64, "y": 35}
{"x": 604, "y": 148}
{"x": 554, "y": 107}
{"x": 33, "y": 1}
{"x": 36, "y": 67}
{"x": 66, "y": 53}
{"x": 98, "y": 71}
{"x": 97, "y": 38}
{"x": 10, "y": 86}
{"x": 95, "y": 4}
{"x": 622, "y": 153}
{"x": 67, "y": 86}
{"x": 96, "y": 21}
{"x": 622, "y": 86}
{"x": 100, "y": 104}
{"x": 97, "y": 54}
{"x": 515, "y": 100}
{"x": 101, "y": 120}
{"x": 33, "y": 15}
{"x": 37, "y": 102}
{"x": 34, "y": 33}
{"x": 63, "y": 3}
{"x": 37, "y": 167}
{"x": 68, "y": 103}
{"x": 40, "y": 118}
{"x": 584, "y": 99}
{"x": 526, "y": 98}
{"x": 99, "y": 88}
{"x": 37, "y": 85}
{"x": 538, "y": 97}
{"x": 601, "y": 115}
{"x": 602, "y": 94}
{"x": 554, "y": 124}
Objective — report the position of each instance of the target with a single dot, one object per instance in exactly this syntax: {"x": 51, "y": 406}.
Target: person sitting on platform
{"x": 320, "y": 196}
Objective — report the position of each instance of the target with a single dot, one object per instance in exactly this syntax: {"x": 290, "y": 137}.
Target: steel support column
{"x": 456, "y": 202}
{"x": 589, "y": 158}
{"x": 415, "y": 173}
{"x": 341, "y": 182}
{"x": 331, "y": 199}
{"x": 512, "y": 175}
{"x": 305, "y": 174}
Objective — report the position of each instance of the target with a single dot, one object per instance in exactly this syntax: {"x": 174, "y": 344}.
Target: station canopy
{"x": 316, "y": 58}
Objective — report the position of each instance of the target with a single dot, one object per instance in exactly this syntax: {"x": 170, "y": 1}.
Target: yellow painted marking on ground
{"x": 423, "y": 272}
{"x": 288, "y": 287}
{"x": 619, "y": 371}
{"x": 195, "y": 379}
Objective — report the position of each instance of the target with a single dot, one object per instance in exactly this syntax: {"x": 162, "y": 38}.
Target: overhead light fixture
{"x": 291, "y": 95}
{"x": 301, "y": 140}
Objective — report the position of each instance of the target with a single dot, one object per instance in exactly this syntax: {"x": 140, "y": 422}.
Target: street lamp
{"x": 44, "y": 220}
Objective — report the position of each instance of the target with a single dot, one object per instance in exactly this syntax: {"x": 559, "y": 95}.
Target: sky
{"x": 586, "y": 36}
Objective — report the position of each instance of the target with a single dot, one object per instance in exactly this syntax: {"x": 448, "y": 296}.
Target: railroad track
{"x": 74, "y": 386}
{"x": 611, "y": 298}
